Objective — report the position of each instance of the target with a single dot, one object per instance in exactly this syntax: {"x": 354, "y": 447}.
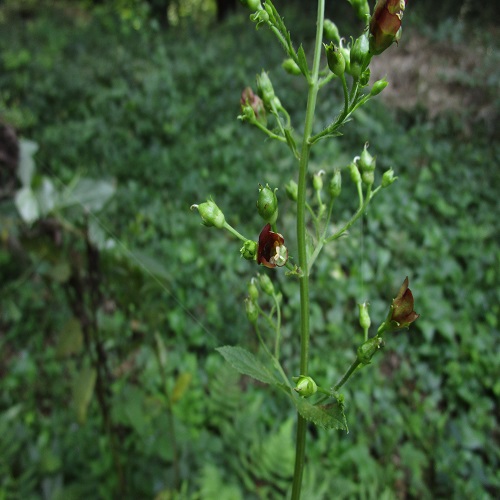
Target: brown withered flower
{"x": 271, "y": 251}
{"x": 385, "y": 24}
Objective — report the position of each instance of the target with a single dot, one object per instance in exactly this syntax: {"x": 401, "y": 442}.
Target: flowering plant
{"x": 348, "y": 66}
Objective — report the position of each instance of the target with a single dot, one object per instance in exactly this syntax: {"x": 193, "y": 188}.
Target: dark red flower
{"x": 385, "y": 24}
{"x": 401, "y": 313}
{"x": 402, "y": 307}
{"x": 271, "y": 251}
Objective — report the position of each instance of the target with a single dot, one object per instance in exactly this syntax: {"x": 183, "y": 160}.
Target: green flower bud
{"x": 253, "y": 291}
{"x": 335, "y": 184}
{"x": 267, "y": 204}
{"x": 266, "y": 284}
{"x": 364, "y": 316}
{"x": 365, "y": 77}
{"x": 291, "y": 67}
{"x": 253, "y": 4}
{"x": 368, "y": 178}
{"x": 259, "y": 17}
{"x": 211, "y": 214}
{"x": 367, "y": 162}
{"x": 292, "y": 190}
{"x": 336, "y": 61}
{"x": 346, "y": 52}
{"x": 388, "y": 178}
{"x": 305, "y": 386}
{"x": 265, "y": 88}
{"x": 361, "y": 8}
{"x": 251, "y": 310}
{"x": 318, "y": 180}
{"x": 330, "y": 31}
{"x": 249, "y": 250}
{"x": 378, "y": 86}
{"x": 360, "y": 56}
{"x": 354, "y": 171}
{"x": 368, "y": 349}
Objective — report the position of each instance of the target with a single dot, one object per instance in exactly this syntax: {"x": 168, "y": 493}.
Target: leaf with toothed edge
{"x": 247, "y": 364}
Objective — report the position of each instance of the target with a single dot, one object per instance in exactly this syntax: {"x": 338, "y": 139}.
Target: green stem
{"x": 357, "y": 215}
{"x": 234, "y": 232}
{"x": 278, "y": 328}
{"x": 266, "y": 131}
{"x": 346, "y": 376}
{"x": 300, "y": 444}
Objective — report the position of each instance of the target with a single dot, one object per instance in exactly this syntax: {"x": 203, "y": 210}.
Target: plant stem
{"x": 302, "y": 250}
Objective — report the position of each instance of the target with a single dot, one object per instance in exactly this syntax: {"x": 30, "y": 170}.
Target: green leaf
{"x": 330, "y": 416}
{"x": 302, "y": 61}
{"x": 26, "y": 163}
{"x": 27, "y": 205}
{"x": 83, "y": 388}
{"x": 70, "y": 339}
{"x": 89, "y": 193}
{"x": 46, "y": 195}
{"x": 245, "y": 362}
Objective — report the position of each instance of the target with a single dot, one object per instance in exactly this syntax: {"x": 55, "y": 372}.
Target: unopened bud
{"x": 265, "y": 88}
{"x": 360, "y": 56}
{"x": 318, "y": 180}
{"x": 253, "y": 291}
{"x": 305, "y": 386}
{"x": 291, "y": 67}
{"x": 364, "y": 316}
{"x": 388, "y": 178}
{"x": 211, "y": 214}
{"x": 368, "y": 178}
{"x": 292, "y": 190}
{"x": 251, "y": 310}
{"x": 378, "y": 86}
{"x": 249, "y": 250}
{"x": 354, "y": 171}
{"x": 330, "y": 31}
{"x": 366, "y": 351}
{"x": 335, "y": 184}
{"x": 267, "y": 204}
{"x": 367, "y": 162}
{"x": 365, "y": 77}
{"x": 336, "y": 61}
{"x": 361, "y": 8}
{"x": 266, "y": 284}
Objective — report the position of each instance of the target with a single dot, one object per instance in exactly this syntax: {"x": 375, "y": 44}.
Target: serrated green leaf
{"x": 245, "y": 362}
{"x": 330, "y": 416}
{"x": 302, "y": 61}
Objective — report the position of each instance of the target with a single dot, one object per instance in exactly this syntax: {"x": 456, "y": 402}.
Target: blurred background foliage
{"x": 113, "y": 296}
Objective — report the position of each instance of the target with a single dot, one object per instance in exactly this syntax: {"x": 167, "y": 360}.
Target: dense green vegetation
{"x": 110, "y": 385}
